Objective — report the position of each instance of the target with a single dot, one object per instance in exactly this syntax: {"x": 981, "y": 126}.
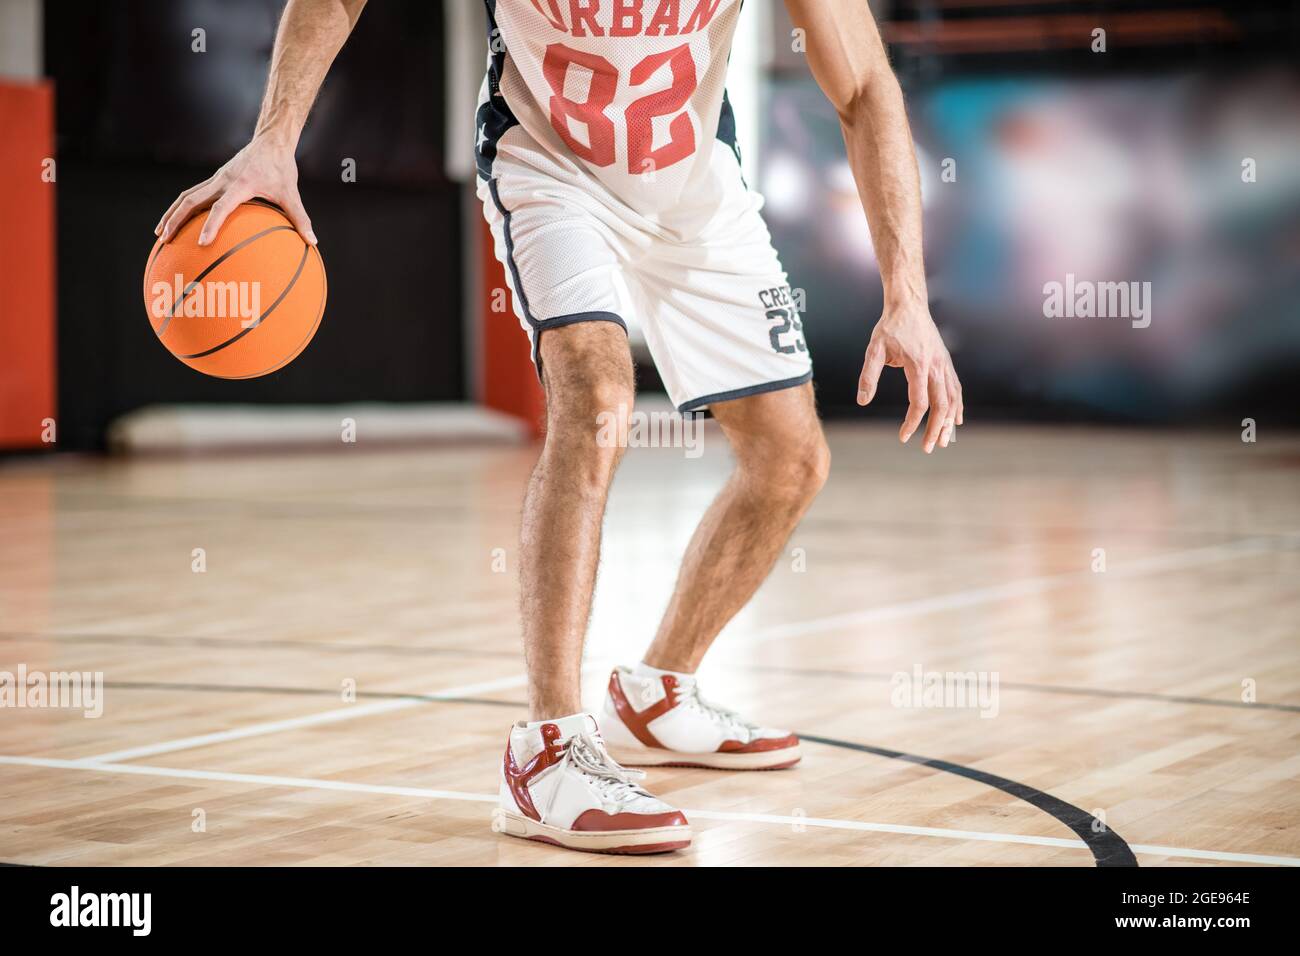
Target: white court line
{"x": 257, "y": 779}
{"x": 349, "y": 712}
{"x": 309, "y": 783}
{"x": 1214, "y": 855}
{"x": 1177, "y": 560}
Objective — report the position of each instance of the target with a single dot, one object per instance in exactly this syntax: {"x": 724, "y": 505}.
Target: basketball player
{"x": 609, "y": 173}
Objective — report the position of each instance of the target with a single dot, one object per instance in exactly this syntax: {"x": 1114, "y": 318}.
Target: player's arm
{"x": 311, "y": 34}
{"x": 849, "y": 63}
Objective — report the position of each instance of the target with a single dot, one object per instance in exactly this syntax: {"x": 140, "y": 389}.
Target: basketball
{"x": 242, "y": 307}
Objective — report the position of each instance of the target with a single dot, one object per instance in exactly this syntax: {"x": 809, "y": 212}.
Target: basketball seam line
{"x": 261, "y": 318}
{"x": 212, "y": 265}
{"x": 324, "y": 293}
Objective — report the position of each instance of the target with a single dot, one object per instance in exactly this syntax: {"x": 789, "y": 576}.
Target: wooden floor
{"x": 1119, "y": 732}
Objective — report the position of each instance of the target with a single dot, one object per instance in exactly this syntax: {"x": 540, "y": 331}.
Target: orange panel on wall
{"x": 27, "y": 332}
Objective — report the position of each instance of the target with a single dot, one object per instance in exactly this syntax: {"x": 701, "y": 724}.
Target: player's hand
{"x": 907, "y": 339}
{"x": 261, "y": 168}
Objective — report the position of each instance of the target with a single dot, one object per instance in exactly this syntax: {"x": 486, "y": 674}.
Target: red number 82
{"x": 599, "y": 150}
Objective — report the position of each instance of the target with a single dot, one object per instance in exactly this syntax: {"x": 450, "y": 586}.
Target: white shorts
{"x": 711, "y": 296}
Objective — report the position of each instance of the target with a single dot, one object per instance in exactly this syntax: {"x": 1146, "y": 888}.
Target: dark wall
{"x": 140, "y": 117}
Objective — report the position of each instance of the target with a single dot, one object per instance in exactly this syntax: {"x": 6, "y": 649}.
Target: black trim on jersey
{"x": 494, "y": 118}
{"x": 727, "y": 126}
{"x": 727, "y": 118}
{"x": 695, "y": 403}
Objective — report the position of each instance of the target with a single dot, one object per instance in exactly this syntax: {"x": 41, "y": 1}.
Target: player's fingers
{"x": 293, "y": 208}
{"x": 957, "y": 409}
{"x": 938, "y": 407}
{"x": 162, "y": 221}
{"x": 222, "y": 208}
{"x": 870, "y": 377}
{"x": 918, "y": 397}
{"x": 186, "y": 207}
{"x": 948, "y": 431}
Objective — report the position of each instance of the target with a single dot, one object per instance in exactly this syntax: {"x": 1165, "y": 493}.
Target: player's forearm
{"x": 848, "y": 59}
{"x": 883, "y": 160}
{"x": 310, "y": 36}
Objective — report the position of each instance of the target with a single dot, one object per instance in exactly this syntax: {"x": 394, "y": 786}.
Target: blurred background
{"x": 1161, "y": 150}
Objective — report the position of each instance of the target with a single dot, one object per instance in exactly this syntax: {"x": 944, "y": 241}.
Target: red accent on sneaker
{"x": 601, "y": 821}
{"x": 760, "y": 745}
{"x": 517, "y": 780}
{"x": 638, "y": 722}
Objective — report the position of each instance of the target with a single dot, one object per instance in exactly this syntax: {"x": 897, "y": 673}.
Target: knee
{"x": 590, "y": 400}
{"x": 792, "y": 471}
{"x": 582, "y": 431}
{"x": 818, "y": 464}
{"x": 810, "y": 464}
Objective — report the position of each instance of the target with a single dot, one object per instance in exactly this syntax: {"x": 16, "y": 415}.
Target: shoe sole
{"x": 649, "y": 840}
{"x": 755, "y": 760}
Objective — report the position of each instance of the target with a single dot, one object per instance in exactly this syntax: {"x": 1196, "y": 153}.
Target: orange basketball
{"x": 242, "y": 307}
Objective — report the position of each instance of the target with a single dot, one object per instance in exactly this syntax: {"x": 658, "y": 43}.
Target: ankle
{"x": 663, "y": 667}
{"x": 554, "y": 709}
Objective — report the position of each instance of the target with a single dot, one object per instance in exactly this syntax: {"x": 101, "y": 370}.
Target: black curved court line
{"x": 306, "y": 249}
{"x": 756, "y": 668}
{"x": 212, "y": 265}
{"x": 1108, "y": 848}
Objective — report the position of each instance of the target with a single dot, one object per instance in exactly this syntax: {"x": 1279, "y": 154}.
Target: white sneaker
{"x": 663, "y": 721}
{"x": 560, "y": 786}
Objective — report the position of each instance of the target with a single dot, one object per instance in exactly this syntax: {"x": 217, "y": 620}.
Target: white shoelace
{"x": 586, "y": 753}
{"x": 689, "y": 694}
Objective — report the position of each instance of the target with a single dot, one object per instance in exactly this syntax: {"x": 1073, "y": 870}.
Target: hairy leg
{"x": 781, "y": 463}
{"x": 587, "y": 370}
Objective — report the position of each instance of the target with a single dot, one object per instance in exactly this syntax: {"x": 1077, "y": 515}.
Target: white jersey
{"x": 630, "y": 93}
{"x": 610, "y": 177}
